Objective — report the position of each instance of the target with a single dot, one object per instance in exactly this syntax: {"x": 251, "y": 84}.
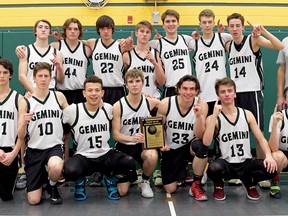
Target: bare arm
{"x": 159, "y": 71}
{"x": 271, "y": 42}
{"x": 57, "y": 61}
{"x": 274, "y": 139}
{"x": 280, "y": 85}
{"x": 200, "y": 109}
{"x": 62, "y": 100}
{"x": 126, "y": 60}
{"x": 211, "y": 124}
{"x": 23, "y": 72}
{"x": 269, "y": 162}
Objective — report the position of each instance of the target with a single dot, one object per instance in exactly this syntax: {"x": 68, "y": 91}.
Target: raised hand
{"x": 157, "y": 35}
{"x": 198, "y": 108}
{"x": 220, "y": 27}
{"x": 20, "y": 51}
{"x": 56, "y": 34}
{"x": 258, "y": 29}
{"x": 217, "y": 108}
{"x": 195, "y": 34}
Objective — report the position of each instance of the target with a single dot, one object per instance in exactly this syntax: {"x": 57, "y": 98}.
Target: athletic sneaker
{"x": 96, "y": 181}
{"x": 139, "y": 177}
{"x": 79, "y": 193}
{"x": 252, "y": 193}
{"x": 218, "y": 192}
{"x": 54, "y": 191}
{"x": 197, "y": 191}
{"x": 111, "y": 185}
{"x": 147, "y": 192}
{"x": 22, "y": 182}
{"x": 275, "y": 191}
{"x": 157, "y": 178}
{"x": 188, "y": 178}
{"x": 264, "y": 184}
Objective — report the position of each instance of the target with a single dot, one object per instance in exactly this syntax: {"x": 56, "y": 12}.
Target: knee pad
{"x": 200, "y": 150}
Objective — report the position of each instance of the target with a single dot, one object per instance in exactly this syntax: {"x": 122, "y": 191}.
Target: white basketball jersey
{"x": 34, "y": 57}
{"x": 234, "y": 138}
{"x": 176, "y": 59}
{"x": 75, "y": 63}
{"x": 130, "y": 117}
{"x": 148, "y": 70}
{"x": 9, "y": 119}
{"x": 108, "y": 63}
{"x": 91, "y": 131}
{"x": 210, "y": 64}
{"x": 45, "y": 129}
{"x": 246, "y": 68}
{"x": 179, "y": 127}
{"x": 283, "y": 144}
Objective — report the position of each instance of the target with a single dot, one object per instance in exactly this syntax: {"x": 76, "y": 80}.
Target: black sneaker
{"x": 275, "y": 191}
{"x": 96, "y": 181}
{"x": 55, "y": 197}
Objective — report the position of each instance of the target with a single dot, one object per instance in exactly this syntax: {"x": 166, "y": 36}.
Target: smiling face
{"x": 187, "y": 91}
{"x": 170, "y": 24}
{"x": 93, "y": 93}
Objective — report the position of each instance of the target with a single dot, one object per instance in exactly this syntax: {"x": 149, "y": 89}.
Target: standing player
{"x": 184, "y": 116}
{"x": 40, "y": 118}
{"x": 8, "y": 131}
{"x": 209, "y": 58}
{"x": 245, "y": 60}
{"x": 127, "y": 113}
{"x": 282, "y": 74}
{"x": 146, "y": 59}
{"x": 91, "y": 130}
{"x": 75, "y": 62}
{"x": 107, "y": 60}
{"x": 174, "y": 51}
{"x": 40, "y": 51}
{"x": 231, "y": 125}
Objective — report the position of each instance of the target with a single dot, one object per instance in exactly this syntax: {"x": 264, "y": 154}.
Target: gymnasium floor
{"x": 133, "y": 204}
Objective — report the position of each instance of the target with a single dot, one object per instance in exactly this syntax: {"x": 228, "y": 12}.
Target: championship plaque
{"x": 153, "y": 131}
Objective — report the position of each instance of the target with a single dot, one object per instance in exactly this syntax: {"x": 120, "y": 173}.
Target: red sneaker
{"x": 252, "y": 193}
{"x": 197, "y": 191}
{"x": 218, "y": 193}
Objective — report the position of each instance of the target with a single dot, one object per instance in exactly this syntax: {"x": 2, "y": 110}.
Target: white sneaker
{"x": 147, "y": 192}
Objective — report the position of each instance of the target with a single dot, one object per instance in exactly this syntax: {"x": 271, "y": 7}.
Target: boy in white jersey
{"x": 230, "y": 125}
{"x": 40, "y": 51}
{"x": 40, "y": 118}
{"x": 8, "y": 131}
{"x": 183, "y": 142}
{"x": 245, "y": 60}
{"x": 90, "y": 123}
{"x": 107, "y": 59}
{"x": 278, "y": 142}
{"x": 282, "y": 73}
{"x": 209, "y": 58}
{"x": 146, "y": 59}
{"x": 174, "y": 51}
{"x": 127, "y": 113}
